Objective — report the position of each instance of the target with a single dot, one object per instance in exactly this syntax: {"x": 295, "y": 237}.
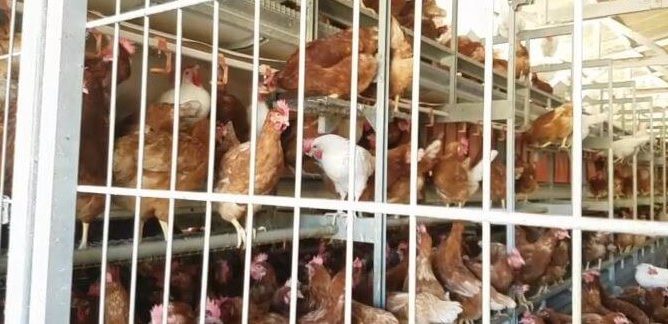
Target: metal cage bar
{"x": 576, "y": 160}
{"x": 49, "y": 100}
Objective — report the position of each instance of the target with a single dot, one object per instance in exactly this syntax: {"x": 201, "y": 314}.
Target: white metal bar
{"x": 651, "y": 164}
{"x": 296, "y": 223}
{"x": 618, "y": 63}
{"x": 634, "y": 129}
{"x": 144, "y": 12}
{"x": 174, "y": 158}
{"x": 136, "y": 235}
{"x": 663, "y": 165}
{"x": 415, "y": 99}
{"x": 215, "y": 31}
{"x": 27, "y": 131}
{"x": 352, "y": 161}
{"x": 108, "y": 181}
{"x": 380, "y": 181}
{"x": 487, "y": 146}
{"x": 251, "y": 174}
{"x": 576, "y": 171}
{"x": 7, "y": 90}
{"x": 495, "y": 216}
{"x": 57, "y": 144}
{"x": 5, "y": 122}
{"x": 611, "y": 137}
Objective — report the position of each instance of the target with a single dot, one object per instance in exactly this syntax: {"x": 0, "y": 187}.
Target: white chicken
{"x": 195, "y": 100}
{"x": 627, "y": 145}
{"x": 649, "y": 276}
{"x": 331, "y": 153}
{"x": 590, "y": 120}
{"x": 475, "y": 174}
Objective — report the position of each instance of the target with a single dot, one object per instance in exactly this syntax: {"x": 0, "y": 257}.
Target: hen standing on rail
{"x": 331, "y": 153}
{"x": 234, "y": 172}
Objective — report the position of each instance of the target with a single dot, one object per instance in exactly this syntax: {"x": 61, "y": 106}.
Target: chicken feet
{"x": 84, "y": 236}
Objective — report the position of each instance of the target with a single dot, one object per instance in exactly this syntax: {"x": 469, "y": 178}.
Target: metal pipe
{"x": 611, "y": 138}
{"x": 576, "y": 171}
{"x": 634, "y": 128}
{"x": 380, "y": 181}
{"x": 156, "y": 249}
{"x": 253, "y": 147}
{"x": 305, "y": 14}
{"x": 487, "y": 148}
{"x": 211, "y": 163}
{"x": 495, "y": 216}
{"x": 110, "y": 154}
{"x": 415, "y": 98}
{"x": 140, "y": 170}
{"x": 352, "y": 161}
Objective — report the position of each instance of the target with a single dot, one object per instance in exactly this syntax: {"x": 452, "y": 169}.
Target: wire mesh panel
{"x": 336, "y": 161}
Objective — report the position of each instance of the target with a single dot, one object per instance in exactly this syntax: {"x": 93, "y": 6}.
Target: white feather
{"x": 626, "y": 146}
{"x": 645, "y": 279}
{"x": 475, "y": 174}
{"x": 195, "y": 102}
{"x": 591, "y": 120}
{"x": 335, "y": 163}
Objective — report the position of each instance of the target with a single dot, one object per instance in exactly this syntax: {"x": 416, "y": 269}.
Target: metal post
{"x": 486, "y": 152}
{"x": 48, "y": 115}
{"x": 611, "y": 137}
{"x": 651, "y": 162}
{"x": 510, "y": 124}
{"x": 415, "y": 99}
{"x": 663, "y": 161}
{"x": 576, "y": 171}
{"x": 454, "y": 46}
{"x": 634, "y": 128}
{"x": 380, "y": 181}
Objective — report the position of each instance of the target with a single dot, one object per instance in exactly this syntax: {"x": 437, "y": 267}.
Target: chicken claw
{"x": 162, "y": 48}
{"x": 84, "y": 236}
{"x": 222, "y": 76}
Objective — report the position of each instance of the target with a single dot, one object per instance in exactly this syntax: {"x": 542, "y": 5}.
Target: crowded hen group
{"x": 213, "y": 154}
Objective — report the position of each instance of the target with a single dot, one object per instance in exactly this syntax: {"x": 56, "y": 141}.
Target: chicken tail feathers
{"x": 501, "y": 301}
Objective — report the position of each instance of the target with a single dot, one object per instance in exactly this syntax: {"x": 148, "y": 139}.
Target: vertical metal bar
{"x": 136, "y": 235}
{"x": 510, "y": 122}
{"x": 454, "y": 46}
{"x": 58, "y": 144}
{"x": 108, "y": 182}
{"x": 576, "y": 171}
{"x": 294, "y": 266}
{"x": 486, "y": 157}
{"x": 651, "y": 161}
{"x": 380, "y": 181}
{"x": 611, "y": 137}
{"x": 415, "y": 101}
{"x": 634, "y": 129}
{"x": 663, "y": 162}
{"x": 211, "y": 167}
{"x": 39, "y": 283}
{"x": 352, "y": 161}
{"x": 174, "y": 158}
{"x": 7, "y": 90}
{"x": 251, "y": 167}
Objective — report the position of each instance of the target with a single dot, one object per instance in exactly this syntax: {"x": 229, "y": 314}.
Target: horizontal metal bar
{"x": 616, "y": 63}
{"x": 591, "y": 11}
{"x": 138, "y": 38}
{"x": 621, "y": 101}
{"x": 649, "y": 91}
{"x": 439, "y": 212}
{"x": 5, "y": 56}
{"x": 150, "y": 249}
{"x": 605, "y": 85}
{"x": 143, "y": 12}
{"x": 472, "y": 112}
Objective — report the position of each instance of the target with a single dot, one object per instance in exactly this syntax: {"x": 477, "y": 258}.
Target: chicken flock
{"x": 448, "y": 266}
